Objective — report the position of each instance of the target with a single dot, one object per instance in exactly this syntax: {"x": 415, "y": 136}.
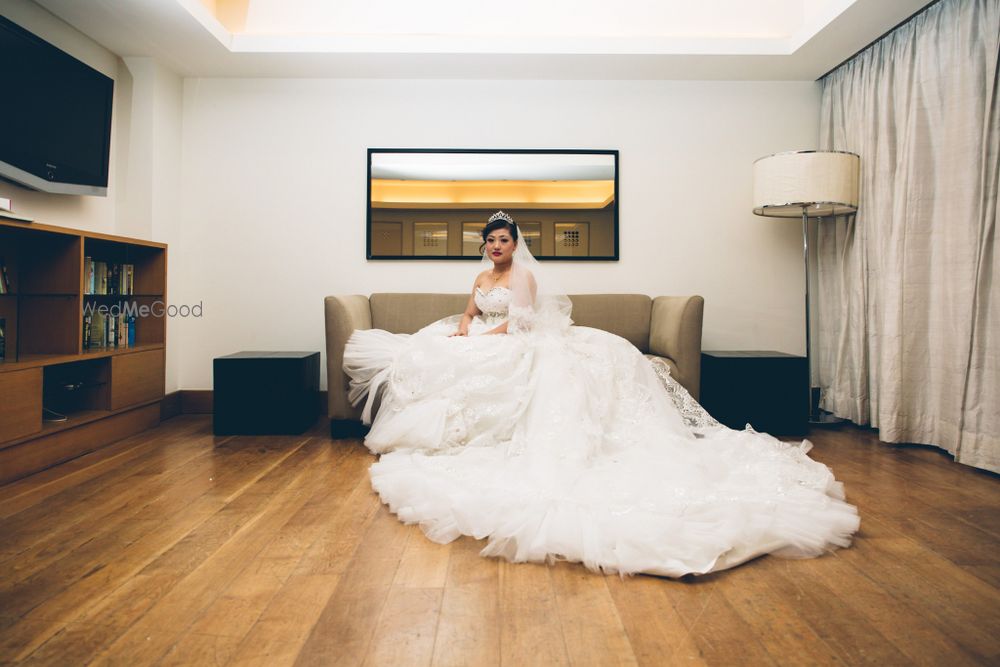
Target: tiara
{"x": 500, "y": 215}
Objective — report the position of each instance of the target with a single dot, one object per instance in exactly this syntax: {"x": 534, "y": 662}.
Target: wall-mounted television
{"x": 55, "y": 117}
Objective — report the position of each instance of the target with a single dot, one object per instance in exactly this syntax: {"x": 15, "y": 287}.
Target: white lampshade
{"x": 823, "y": 183}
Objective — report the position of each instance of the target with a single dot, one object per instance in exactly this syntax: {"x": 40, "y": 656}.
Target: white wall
{"x": 273, "y": 198}
{"x": 150, "y": 188}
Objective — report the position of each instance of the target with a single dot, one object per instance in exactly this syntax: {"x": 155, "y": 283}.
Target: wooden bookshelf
{"x": 105, "y": 392}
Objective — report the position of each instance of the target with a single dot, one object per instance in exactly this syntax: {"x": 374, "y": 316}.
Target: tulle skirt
{"x": 571, "y": 447}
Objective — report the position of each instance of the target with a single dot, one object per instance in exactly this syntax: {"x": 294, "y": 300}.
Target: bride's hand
{"x": 460, "y": 332}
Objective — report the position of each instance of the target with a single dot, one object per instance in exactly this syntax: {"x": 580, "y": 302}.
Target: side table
{"x": 765, "y": 389}
{"x": 264, "y": 393}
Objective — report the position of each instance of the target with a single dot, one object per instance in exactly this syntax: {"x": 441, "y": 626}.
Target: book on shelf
{"x": 101, "y": 278}
{"x": 87, "y": 321}
{"x": 96, "y": 331}
{"x": 88, "y": 275}
{"x": 108, "y": 330}
{"x": 3, "y": 338}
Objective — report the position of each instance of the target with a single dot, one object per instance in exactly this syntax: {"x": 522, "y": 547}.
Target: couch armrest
{"x": 344, "y": 314}
{"x": 675, "y": 333}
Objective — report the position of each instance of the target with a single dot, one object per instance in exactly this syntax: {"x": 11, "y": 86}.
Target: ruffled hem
{"x": 628, "y": 514}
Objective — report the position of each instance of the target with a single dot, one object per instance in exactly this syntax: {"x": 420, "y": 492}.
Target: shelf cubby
{"x": 77, "y": 386}
{"x": 48, "y": 324}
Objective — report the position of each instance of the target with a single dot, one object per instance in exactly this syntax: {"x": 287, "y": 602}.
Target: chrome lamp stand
{"x": 816, "y": 416}
{"x": 799, "y": 183}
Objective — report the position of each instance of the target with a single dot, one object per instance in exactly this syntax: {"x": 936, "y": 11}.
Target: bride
{"x": 563, "y": 442}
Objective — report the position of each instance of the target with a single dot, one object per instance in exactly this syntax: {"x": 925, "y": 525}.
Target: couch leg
{"x": 343, "y": 429}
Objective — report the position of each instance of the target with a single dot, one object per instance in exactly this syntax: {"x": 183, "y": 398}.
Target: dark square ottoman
{"x": 265, "y": 393}
{"x": 766, "y": 389}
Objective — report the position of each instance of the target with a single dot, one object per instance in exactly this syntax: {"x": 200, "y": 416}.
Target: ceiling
{"x": 463, "y": 39}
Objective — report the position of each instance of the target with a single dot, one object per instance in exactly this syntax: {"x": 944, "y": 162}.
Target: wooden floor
{"x": 175, "y": 547}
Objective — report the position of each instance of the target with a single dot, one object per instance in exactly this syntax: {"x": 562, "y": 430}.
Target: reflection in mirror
{"x": 433, "y": 204}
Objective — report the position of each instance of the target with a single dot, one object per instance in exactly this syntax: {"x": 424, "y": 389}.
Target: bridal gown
{"x": 572, "y": 445}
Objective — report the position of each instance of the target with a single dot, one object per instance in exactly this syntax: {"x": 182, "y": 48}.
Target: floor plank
{"x": 468, "y": 631}
{"x": 267, "y": 506}
{"x": 406, "y": 628}
{"x": 592, "y": 629}
{"x": 424, "y": 563}
{"x": 75, "y": 582}
{"x": 722, "y": 636}
{"x": 345, "y": 628}
{"x": 123, "y": 505}
{"x": 531, "y": 631}
{"x": 656, "y": 632}
{"x": 169, "y": 545}
{"x": 175, "y": 547}
{"x": 96, "y": 495}
{"x": 874, "y": 609}
{"x": 277, "y": 637}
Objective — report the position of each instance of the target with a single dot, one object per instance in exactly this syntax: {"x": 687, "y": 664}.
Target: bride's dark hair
{"x": 499, "y": 223}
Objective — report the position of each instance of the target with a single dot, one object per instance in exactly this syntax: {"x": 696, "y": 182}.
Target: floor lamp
{"x": 807, "y": 184}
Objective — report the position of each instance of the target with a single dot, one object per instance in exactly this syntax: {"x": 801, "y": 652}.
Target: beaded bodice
{"x": 493, "y": 304}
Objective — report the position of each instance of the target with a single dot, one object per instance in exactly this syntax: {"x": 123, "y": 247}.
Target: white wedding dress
{"x": 572, "y": 445}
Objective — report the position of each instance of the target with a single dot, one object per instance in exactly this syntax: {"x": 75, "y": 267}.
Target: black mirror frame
{"x": 528, "y": 151}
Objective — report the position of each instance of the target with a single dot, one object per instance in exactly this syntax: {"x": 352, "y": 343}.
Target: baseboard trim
{"x": 196, "y": 401}
{"x": 170, "y": 405}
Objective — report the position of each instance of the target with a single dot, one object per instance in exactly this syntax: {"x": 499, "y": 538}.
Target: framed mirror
{"x": 434, "y": 203}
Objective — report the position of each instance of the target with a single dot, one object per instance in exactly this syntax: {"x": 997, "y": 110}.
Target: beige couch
{"x": 667, "y": 326}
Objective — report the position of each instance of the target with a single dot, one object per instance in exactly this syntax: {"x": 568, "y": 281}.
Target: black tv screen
{"x": 55, "y": 117}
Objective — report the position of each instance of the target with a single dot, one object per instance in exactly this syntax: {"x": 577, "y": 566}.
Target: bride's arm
{"x": 471, "y": 310}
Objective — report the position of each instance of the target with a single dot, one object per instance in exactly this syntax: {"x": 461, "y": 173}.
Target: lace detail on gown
{"x": 695, "y": 416}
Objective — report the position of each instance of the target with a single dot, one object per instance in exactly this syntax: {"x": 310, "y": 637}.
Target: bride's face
{"x": 500, "y": 246}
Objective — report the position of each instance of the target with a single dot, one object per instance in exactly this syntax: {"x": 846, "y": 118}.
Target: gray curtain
{"x": 908, "y": 298}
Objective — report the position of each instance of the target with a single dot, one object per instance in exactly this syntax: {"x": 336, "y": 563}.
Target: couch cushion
{"x": 626, "y": 315}
{"x": 408, "y": 313}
